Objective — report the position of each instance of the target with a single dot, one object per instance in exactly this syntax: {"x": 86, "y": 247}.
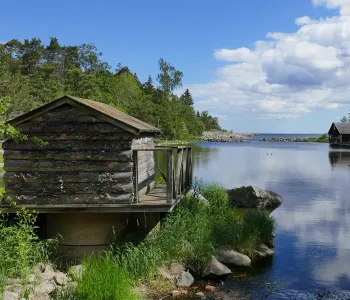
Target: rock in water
{"x": 214, "y": 267}
{"x": 233, "y": 258}
{"x": 185, "y": 279}
{"x": 254, "y": 197}
{"x": 264, "y": 251}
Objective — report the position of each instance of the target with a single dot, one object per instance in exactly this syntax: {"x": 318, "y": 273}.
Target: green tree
{"x": 344, "y": 119}
{"x": 186, "y": 97}
{"x": 169, "y": 77}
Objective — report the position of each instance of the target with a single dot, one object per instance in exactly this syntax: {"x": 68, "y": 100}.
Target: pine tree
{"x": 148, "y": 87}
{"x": 187, "y": 98}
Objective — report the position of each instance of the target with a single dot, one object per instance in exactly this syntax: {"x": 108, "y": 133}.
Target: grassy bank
{"x": 190, "y": 235}
{"x": 160, "y": 142}
{"x": 322, "y": 139}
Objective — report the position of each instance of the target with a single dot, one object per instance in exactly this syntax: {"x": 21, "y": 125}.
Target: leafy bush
{"x": 103, "y": 279}
{"x": 20, "y": 247}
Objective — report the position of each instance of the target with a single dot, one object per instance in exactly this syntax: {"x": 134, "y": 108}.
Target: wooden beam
{"x": 184, "y": 170}
{"x": 178, "y": 171}
{"x": 190, "y": 170}
{"x": 135, "y": 175}
{"x": 170, "y": 167}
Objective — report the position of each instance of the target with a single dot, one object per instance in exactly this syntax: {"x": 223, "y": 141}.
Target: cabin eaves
{"x": 342, "y": 127}
{"x": 99, "y": 109}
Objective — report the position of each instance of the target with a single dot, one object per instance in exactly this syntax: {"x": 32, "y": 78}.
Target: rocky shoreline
{"x": 289, "y": 140}
{"x": 225, "y": 137}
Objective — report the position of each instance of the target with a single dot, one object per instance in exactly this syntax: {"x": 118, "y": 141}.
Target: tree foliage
{"x": 32, "y": 74}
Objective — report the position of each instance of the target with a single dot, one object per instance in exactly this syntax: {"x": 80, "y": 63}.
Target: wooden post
{"x": 178, "y": 171}
{"x": 190, "y": 172}
{"x": 136, "y": 175}
{"x": 170, "y": 167}
{"x": 184, "y": 171}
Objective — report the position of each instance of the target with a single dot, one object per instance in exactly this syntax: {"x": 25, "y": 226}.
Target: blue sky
{"x": 293, "y": 81}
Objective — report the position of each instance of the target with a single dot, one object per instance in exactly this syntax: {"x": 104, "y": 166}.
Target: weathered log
{"x": 68, "y": 199}
{"x": 63, "y": 165}
{"x": 51, "y": 177}
{"x": 74, "y": 127}
{"x": 67, "y": 115}
{"x": 107, "y": 155}
{"x": 69, "y": 188}
{"x": 68, "y": 145}
{"x": 64, "y": 136}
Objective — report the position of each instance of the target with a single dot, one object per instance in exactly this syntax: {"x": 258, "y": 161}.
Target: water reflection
{"x": 313, "y": 234}
{"x": 339, "y": 159}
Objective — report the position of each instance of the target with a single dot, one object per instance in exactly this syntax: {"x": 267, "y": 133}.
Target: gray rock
{"x": 39, "y": 268}
{"x": 10, "y": 296}
{"x": 232, "y": 257}
{"x": 264, "y": 251}
{"x": 214, "y": 267}
{"x": 176, "y": 269}
{"x": 185, "y": 279}
{"x": 76, "y": 272}
{"x": 60, "y": 278}
{"x": 39, "y": 297}
{"x": 46, "y": 287}
{"x": 254, "y": 197}
{"x": 48, "y": 274}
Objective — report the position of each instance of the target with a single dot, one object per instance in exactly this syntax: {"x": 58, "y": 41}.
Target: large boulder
{"x": 254, "y": 197}
{"x": 231, "y": 257}
{"x": 214, "y": 267}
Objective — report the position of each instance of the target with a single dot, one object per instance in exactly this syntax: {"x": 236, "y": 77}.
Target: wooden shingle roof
{"x": 102, "y": 110}
{"x": 343, "y": 127}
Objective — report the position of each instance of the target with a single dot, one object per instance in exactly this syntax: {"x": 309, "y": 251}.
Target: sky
{"x": 267, "y": 66}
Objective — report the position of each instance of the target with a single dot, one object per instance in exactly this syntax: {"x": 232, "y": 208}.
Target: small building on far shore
{"x": 339, "y": 134}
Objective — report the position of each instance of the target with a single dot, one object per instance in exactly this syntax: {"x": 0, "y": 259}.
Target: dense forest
{"x": 32, "y": 73}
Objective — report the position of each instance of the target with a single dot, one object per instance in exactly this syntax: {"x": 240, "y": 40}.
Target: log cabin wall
{"x": 86, "y": 161}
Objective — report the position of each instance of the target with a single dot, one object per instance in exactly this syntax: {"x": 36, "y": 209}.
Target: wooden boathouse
{"x": 339, "y": 134}
{"x": 96, "y": 174}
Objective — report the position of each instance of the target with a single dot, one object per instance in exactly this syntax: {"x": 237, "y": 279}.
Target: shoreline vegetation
{"x": 203, "y": 231}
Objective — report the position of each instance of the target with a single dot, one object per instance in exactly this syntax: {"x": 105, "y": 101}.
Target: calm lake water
{"x": 312, "y": 259}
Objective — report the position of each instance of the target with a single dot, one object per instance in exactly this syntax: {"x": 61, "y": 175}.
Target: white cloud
{"x": 342, "y": 5}
{"x": 287, "y": 74}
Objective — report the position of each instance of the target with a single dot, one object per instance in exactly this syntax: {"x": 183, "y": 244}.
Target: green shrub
{"x": 104, "y": 279}
{"x": 20, "y": 247}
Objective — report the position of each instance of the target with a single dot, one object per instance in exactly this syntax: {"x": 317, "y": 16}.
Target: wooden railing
{"x": 178, "y": 173}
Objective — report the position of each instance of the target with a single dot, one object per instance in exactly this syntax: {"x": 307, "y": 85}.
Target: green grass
{"x": 192, "y": 233}
{"x": 322, "y": 139}
{"x": 103, "y": 279}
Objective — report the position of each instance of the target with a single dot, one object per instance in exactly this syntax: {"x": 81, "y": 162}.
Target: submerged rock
{"x": 232, "y": 257}
{"x": 214, "y": 267}
{"x": 254, "y": 197}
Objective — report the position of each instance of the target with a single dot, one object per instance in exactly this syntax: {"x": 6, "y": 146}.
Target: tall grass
{"x": 103, "y": 279}
{"x": 190, "y": 235}
{"x": 193, "y": 232}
